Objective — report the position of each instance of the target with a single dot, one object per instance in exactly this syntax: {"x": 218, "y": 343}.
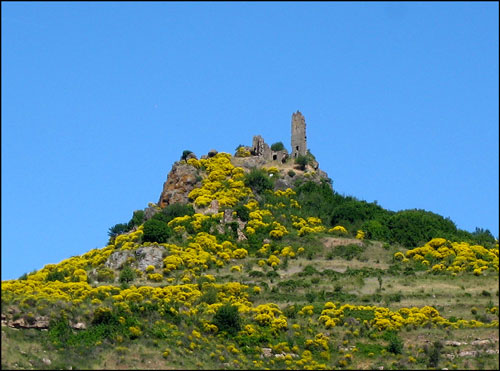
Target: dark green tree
{"x": 185, "y": 154}
{"x": 117, "y": 229}
{"x": 278, "y": 146}
{"x": 227, "y": 318}
{"x": 156, "y": 231}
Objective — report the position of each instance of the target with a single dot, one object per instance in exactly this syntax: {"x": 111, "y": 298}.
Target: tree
{"x": 118, "y": 229}
{"x": 185, "y": 154}
{"x": 156, "y": 231}
{"x": 137, "y": 219}
{"x": 278, "y": 146}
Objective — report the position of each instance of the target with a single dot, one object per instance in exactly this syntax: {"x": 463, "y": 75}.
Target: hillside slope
{"x": 247, "y": 271}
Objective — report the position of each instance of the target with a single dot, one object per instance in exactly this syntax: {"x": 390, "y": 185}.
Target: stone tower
{"x": 299, "y": 139}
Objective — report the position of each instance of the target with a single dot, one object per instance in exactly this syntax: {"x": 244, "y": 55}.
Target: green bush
{"x": 209, "y": 296}
{"x": 103, "y": 315}
{"x": 278, "y": 146}
{"x": 375, "y": 230}
{"x": 105, "y": 275}
{"x": 176, "y": 210}
{"x": 348, "y": 252}
{"x": 242, "y": 212}
{"x": 395, "y": 343}
{"x": 137, "y": 219}
{"x": 185, "y": 154}
{"x": 413, "y": 228}
{"x": 291, "y": 173}
{"x": 258, "y": 180}
{"x": 433, "y": 353}
{"x": 156, "y": 231}
{"x": 127, "y": 274}
{"x": 227, "y": 318}
{"x": 302, "y": 161}
{"x": 117, "y": 229}
{"x": 56, "y": 275}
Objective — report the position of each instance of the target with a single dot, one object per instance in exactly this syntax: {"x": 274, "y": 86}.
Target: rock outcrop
{"x": 181, "y": 180}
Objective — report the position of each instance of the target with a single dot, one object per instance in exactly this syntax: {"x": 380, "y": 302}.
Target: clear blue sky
{"x": 99, "y": 100}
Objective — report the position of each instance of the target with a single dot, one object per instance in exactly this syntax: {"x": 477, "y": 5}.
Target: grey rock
{"x": 267, "y": 352}
{"x": 117, "y": 259}
{"x": 149, "y": 255}
{"x": 79, "y": 326}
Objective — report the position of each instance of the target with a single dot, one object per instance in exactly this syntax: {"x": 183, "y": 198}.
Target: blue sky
{"x": 99, "y": 100}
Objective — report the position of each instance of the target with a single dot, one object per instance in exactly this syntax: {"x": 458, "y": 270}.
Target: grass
{"x": 359, "y": 274}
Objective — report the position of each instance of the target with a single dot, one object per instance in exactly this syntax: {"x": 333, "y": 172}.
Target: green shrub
{"x": 105, "y": 275}
{"x": 56, "y": 275}
{"x": 278, "y": 146}
{"x": 103, "y": 315}
{"x": 242, "y": 212}
{"x": 308, "y": 271}
{"x": 291, "y": 173}
{"x": 302, "y": 162}
{"x": 256, "y": 274}
{"x": 375, "y": 230}
{"x": 156, "y": 231}
{"x": 117, "y": 229}
{"x": 175, "y": 210}
{"x": 310, "y": 296}
{"x": 348, "y": 252}
{"x": 127, "y": 274}
{"x": 227, "y": 318}
{"x": 395, "y": 343}
{"x": 59, "y": 331}
{"x": 137, "y": 219}
{"x": 434, "y": 353}
{"x": 209, "y": 296}
{"x": 258, "y": 180}
{"x": 185, "y": 154}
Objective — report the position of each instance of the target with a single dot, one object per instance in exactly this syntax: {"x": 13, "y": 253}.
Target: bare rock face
{"x": 149, "y": 255}
{"x": 181, "y": 180}
{"x": 117, "y": 259}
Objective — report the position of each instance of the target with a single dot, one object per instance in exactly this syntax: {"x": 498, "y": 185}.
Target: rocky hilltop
{"x": 185, "y": 176}
{"x": 252, "y": 261}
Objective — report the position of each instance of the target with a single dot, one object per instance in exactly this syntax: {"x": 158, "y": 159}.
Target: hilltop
{"x": 253, "y": 261}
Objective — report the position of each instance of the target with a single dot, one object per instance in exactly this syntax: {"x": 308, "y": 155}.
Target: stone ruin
{"x": 299, "y": 142}
{"x": 299, "y": 139}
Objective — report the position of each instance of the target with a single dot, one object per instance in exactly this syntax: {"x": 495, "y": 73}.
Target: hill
{"x": 253, "y": 261}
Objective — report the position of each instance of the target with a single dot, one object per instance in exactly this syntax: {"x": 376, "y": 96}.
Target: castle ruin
{"x": 299, "y": 142}
{"x": 299, "y": 139}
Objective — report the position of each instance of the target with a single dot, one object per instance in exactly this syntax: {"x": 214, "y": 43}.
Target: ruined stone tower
{"x": 299, "y": 139}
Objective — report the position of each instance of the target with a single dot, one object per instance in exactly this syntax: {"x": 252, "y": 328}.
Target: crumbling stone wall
{"x": 261, "y": 148}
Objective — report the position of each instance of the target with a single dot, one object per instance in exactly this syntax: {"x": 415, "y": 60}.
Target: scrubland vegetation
{"x": 299, "y": 278}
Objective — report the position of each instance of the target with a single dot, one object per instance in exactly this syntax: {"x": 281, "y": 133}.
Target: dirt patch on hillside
{"x": 340, "y": 241}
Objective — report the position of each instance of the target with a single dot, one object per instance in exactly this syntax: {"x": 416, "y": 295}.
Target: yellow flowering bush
{"x": 454, "y": 257}
{"x": 224, "y": 182}
{"x": 339, "y": 229}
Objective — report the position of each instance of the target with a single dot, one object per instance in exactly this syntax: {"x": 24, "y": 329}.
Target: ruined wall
{"x": 299, "y": 140}
{"x": 261, "y": 148}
